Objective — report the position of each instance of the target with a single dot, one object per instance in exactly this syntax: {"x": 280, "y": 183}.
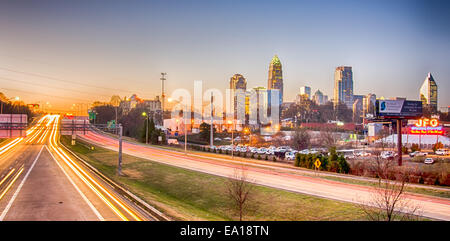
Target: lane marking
{"x": 20, "y": 186}
{"x": 97, "y": 213}
{"x": 84, "y": 176}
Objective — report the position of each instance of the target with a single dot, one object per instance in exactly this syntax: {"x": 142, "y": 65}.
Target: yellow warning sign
{"x": 317, "y": 163}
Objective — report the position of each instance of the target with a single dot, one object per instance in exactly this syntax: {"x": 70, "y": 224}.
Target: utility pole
{"x": 116, "y": 119}
{"x": 211, "y": 141}
{"x": 399, "y": 141}
{"x": 232, "y": 138}
{"x": 163, "y": 95}
{"x": 119, "y": 166}
{"x": 146, "y": 132}
{"x": 185, "y": 137}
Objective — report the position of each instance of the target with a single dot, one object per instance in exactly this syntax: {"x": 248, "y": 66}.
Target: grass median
{"x": 189, "y": 195}
{"x": 437, "y": 191}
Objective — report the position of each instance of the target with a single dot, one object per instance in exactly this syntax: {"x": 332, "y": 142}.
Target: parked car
{"x": 283, "y": 149}
{"x": 262, "y": 150}
{"x": 349, "y": 156}
{"x": 172, "y": 141}
{"x": 305, "y": 151}
{"x": 442, "y": 152}
{"x": 244, "y": 149}
{"x": 253, "y": 150}
{"x": 270, "y": 152}
{"x": 227, "y": 138}
{"x": 387, "y": 154}
{"x": 428, "y": 160}
{"x": 417, "y": 153}
{"x": 289, "y": 156}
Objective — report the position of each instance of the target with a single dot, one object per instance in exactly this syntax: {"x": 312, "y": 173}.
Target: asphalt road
{"x": 433, "y": 207}
{"x": 40, "y": 181}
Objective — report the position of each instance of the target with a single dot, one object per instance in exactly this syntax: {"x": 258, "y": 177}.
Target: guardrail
{"x": 136, "y": 200}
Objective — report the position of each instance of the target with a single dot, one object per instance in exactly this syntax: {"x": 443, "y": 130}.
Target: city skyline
{"x": 125, "y": 54}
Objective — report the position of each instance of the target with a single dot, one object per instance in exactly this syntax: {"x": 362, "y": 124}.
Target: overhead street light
{"x": 146, "y": 127}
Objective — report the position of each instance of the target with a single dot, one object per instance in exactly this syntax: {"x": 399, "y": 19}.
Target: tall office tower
{"x": 343, "y": 86}
{"x": 429, "y": 92}
{"x": 359, "y": 106}
{"x": 275, "y": 80}
{"x": 318, "y": 98}
{"x": 357, "y": 109}
{"x": 369, "y": 104}
{"x": 305, "y": 90}
{"x": 237, "y": 82}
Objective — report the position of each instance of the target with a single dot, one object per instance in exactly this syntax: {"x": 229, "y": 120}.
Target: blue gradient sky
{"x": 391, "y": 45}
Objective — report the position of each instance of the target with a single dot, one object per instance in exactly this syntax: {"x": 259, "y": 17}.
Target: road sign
{"x": 317, "y": 163}
{"x": 111, "y": 124}
{"x": 92, "y": 115}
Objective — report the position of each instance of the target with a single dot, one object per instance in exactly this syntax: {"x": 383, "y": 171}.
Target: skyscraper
{"x": 429, "y": 92}
{"x": 275, "y": 80}
{"x": 305, "y": 90}
{"x": 369, "y": 104}
{"x": 238, "y": 82}
{"x": 343, "y": 86}
{"x": 318, "y": 98}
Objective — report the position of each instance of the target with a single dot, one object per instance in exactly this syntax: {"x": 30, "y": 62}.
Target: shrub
{"x": 324, "y": 161}
{"x": 404, "y": 150}
{"x": 297, "y": 160}
{"x": 344, "y": 167}
{"x": 421, "y": 180}
{"x": 415, "y": 147}
{"x": 436, "y": 182}
{"x": 437, "y": 145}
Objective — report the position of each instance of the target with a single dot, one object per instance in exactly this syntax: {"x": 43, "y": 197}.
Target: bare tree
{"x": 301, "y": 139}
{"x": 327, "y": 137}
{"x": 388, "y": 201}
{"x": 239, "y": 190}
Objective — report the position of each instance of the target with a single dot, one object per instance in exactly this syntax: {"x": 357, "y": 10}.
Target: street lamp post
{"x": 185, "y": 138}
{"x": 232, "y": 139}
{"x": 146, "y": 127}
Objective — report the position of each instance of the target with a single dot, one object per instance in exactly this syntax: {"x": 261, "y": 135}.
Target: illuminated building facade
{"x": 429, "y": 92}
{"x": 275, "y": 80}
{"x": 343, "y": 86}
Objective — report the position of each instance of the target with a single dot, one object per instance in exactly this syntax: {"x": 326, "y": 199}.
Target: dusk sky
{"x": 125, "y": 45}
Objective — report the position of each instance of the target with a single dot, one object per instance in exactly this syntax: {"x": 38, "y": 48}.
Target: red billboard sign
{"x": 426, "y": 126}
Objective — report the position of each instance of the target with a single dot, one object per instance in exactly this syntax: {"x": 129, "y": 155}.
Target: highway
{"x": 41, "y": 181}
{"x": 432, "y": 207}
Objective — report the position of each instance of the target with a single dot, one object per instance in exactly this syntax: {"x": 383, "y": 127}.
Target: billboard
{"x": 426, "y": 126}
{"x": 75, "y": 125}
{"x": 406, "y": 109}
{"x": 13, "y": 125}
